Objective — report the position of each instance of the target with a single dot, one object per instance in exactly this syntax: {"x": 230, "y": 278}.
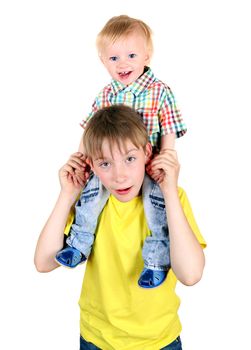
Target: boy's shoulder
{"x": 184, "y": 199}
{"x": 181, "y": 191}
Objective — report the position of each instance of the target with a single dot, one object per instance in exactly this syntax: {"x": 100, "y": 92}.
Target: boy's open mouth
{"x": 124, "y": 190}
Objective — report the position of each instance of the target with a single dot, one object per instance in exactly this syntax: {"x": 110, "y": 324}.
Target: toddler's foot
{"x": 70, "y": 257}
{"x": 151, "y": 278}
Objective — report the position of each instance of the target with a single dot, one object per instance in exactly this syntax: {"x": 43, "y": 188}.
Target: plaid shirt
{"x": 151, "y": 98}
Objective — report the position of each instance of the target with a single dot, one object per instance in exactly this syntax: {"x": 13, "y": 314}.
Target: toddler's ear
{"x": 101, "y": 58}
{"x": 148, "y": 58}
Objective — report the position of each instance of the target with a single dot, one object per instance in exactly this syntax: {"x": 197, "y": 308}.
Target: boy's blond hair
{"x": 120, "y": 27}
{"x": 116, "y": 124}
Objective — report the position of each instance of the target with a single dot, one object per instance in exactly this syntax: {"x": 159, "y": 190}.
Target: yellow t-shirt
{"x": 115, "y": 313}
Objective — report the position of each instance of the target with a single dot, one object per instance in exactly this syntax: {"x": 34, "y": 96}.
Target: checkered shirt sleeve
{"x": 170, "y": 118}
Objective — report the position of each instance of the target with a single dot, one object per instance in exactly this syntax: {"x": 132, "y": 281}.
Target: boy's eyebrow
{"x": 125, "y": 154}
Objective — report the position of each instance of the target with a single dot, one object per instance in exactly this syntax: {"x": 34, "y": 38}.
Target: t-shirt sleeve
{"x": 69, "y": 221}
{"x": 170, "y": 117}
{"x": 190, "y": 217}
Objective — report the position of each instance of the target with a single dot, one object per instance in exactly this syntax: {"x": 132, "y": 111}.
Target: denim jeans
{"x": 91, "y": 203}
{"x": 175, "y": 345}
{"x": 87, "y": 210}
{"x": 156, "y": 252}
{"x": 84, "y": 345}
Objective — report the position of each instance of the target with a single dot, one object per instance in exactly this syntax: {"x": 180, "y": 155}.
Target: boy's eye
{"x": 113, "y": 58}
{"x": 130, "y": 159}
{"x": 132, "y": 55}
{"x": 104, "y": 165}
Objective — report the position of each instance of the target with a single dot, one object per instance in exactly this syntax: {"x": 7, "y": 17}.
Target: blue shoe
{"x": 152, "y": 278}
{"x": 70, "y": 257}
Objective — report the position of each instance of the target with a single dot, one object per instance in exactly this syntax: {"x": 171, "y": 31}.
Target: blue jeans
{"x": 87, "y": 210}
{"x": 91, "y": 203}
{"x": 175, "y": 345}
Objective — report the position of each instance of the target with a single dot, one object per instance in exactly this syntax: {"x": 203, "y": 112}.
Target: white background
{"x": 49, "y": 76}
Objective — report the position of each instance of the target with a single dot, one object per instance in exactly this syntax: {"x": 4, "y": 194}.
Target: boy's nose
{"x": 120, "y": 174}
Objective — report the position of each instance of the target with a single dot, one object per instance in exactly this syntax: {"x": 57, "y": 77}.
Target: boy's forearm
{"x": 187, "y": 257}
{"x": 51, "y": 238}
{"x": 168, "y": 141}
{"x": 81, "y": 145}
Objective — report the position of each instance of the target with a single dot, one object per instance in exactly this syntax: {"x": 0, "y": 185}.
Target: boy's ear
{"x": 148, "y": 152}
{"x": 89, "y": 162}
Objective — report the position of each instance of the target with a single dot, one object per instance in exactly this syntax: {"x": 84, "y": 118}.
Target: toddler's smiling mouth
{"x": 124, "y": 74}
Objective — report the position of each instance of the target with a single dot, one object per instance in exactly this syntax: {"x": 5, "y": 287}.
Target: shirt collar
{"x": 137, "y": 86}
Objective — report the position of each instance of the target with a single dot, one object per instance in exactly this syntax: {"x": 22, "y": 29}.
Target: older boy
{"x": 125, "y": 48}
{"x": 114, "y": 312}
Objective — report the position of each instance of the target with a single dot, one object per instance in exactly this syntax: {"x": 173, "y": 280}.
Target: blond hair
{"x": 120, "y": 27}
{"x": 116, "y": 124}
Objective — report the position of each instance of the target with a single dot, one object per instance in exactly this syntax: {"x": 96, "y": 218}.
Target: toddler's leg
{"x": 156, "y": 253}
{"x": 81, "y": 236}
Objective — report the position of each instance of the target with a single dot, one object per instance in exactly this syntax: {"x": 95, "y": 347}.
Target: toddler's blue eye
{"x": 132, "y": 55}
{"x": 113, "y": 58}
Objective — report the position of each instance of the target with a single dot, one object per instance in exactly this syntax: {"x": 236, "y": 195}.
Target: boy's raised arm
{"x": 51, "y": 238}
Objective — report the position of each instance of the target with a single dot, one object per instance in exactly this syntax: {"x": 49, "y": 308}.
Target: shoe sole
{"x": 67, "y": 266}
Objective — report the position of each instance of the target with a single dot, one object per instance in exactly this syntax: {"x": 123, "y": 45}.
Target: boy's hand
{"x": 166, "y": 162}
{"x": 72, "y": 174}
{"x": 156, "y": 175}
{"x": 83, "y": 174}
